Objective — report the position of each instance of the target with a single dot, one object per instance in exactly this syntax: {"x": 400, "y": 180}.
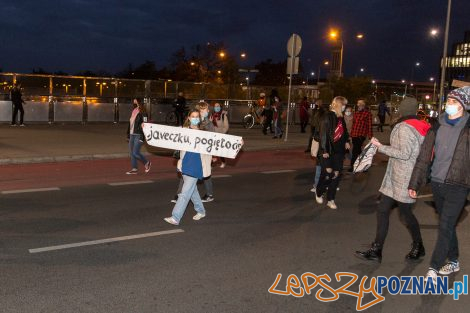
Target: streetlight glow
{"x": 362, "y": 69}
{"x": 431, "y": 79}
{"x": 360, "y": 36}
{"x": 243, "y": 55}
{"x": 433, "y": 32}
{"x": 222, "y": 54}
{"x": 333, "y": 34}
{"x": 326, "y": 62}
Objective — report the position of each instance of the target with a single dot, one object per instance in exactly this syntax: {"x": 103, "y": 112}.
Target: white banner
{"x": 186, "y": 139}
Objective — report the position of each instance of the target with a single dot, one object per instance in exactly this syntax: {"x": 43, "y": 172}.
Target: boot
{"x": 417, "y": 251}
{"x": 373, "y": 254}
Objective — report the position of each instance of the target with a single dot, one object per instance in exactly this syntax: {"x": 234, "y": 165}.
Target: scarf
{"x": 216, "y": 117}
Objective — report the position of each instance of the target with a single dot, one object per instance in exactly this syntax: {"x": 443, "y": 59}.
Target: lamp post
{"x": 434, "y": 89}
{"x": 444, "y": 56}
{"x": 334, "y": 35}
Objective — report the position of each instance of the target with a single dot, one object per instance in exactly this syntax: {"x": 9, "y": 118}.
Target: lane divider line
{"x": 278, "y": 172}
{"x": 8, "y": 192}
{"x": 125, "y": 183}
{"x": 102, "y": 241}
{"x": 221, "y": 176}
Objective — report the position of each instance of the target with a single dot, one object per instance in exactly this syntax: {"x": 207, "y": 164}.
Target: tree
{"x": 353, "y": 89}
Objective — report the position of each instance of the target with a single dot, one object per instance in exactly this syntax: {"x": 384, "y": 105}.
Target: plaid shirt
{"x": 362, "y": 124}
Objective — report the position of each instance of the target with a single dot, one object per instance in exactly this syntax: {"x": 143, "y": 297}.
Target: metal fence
{"x": 52, "y": 98}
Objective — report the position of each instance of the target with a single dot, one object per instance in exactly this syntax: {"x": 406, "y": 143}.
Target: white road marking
{"x": 221, "y": 176}
{"x": 137, "y": 182}
{"x": 278, "y": 172}
{"x": 7, "y": 192}
{"x": 425, "y": 196}
{"x": 101, "y": 241}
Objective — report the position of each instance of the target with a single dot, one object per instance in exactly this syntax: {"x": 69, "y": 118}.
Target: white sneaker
{"x": 222, "y": 165}
{"x": 198, "y": 216}
{"x": 171, "y": 220}
{"x": 314, "y": 189}
{"x": 431, "y": 274}
{"x": 132, "y": 172}
{"x": 449, "y": 268}
{"x": 331, "y": 204}
{"x": 318, "y": 199}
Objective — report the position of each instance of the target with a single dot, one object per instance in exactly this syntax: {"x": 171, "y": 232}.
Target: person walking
{"x": 17, "y": 101}
{"x": 361, "y": 129}
{"x": 405, "y": 141}
{"x": 221, "y": 125}
{"x": 303, "y": 114}
{"x": 333, "y": 145}
{"x": 445, "y": 151}
{"x": 348, "y": 119}
{"x": 322, "y": 109}
{"x": 180, "y": 108}
{"x": 135, "y": 134}
{"x": 193, "y": 167}
{"x": 267, "y": 114}
{"x": 382, "y": 111}
{"x": 277, "y": 118}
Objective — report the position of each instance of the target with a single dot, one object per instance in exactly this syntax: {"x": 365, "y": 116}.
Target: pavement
{"x": 263, "y": 222}
{"x": 43, "y": 143}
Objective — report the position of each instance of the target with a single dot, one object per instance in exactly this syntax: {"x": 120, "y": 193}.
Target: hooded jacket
{"x": 405, "y": 141}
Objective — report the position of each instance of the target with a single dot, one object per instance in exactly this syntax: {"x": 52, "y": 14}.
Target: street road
{"x": 263, "y": 222}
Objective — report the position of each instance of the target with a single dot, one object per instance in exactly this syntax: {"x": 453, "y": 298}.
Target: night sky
{"x": 77, "y": 35}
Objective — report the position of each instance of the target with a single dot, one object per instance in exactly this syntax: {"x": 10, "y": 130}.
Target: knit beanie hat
{"x": 408, "y": 106}
{"x": 462, "y": 95}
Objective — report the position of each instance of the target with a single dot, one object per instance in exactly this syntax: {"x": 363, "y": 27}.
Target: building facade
{"x": 458, "y": 62}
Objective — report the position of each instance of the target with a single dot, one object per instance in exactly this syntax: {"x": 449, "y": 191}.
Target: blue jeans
{"x": 277, "y": 128}
{"x": 317, "y": 174}
{"x": 188, "y": 192}
{"x": 135, "y": 143}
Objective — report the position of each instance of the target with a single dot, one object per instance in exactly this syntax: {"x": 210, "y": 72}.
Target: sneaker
{"x": 222, "y": 165}
{"x": 13, "y": 125}
{"x": 22, "y": 125}
{"x": 331, "y": 204}
{"x": 198, "y": 216}
{"x": 175, "y": 199}
{"x": 207, "y": 198}
{"x": 147, "y": 166}
{"x": 431, "y": 274}
{"x": 132, "y": 171}
{"x": 171, "y": 220}
{"x": 314, "y": 189}
{"x": 449, "y": 268}
{"x": 319, "y": 199}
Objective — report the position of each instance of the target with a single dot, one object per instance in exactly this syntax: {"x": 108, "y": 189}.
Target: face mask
{"x": 452, "y": 109}
{"x": 217, "y": 109}
{"x": 347, "y": 113}
{"x": 194, "y": 121}
{"x": 204, "y": 114}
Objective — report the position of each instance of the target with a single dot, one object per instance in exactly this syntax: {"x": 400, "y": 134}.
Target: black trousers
{"x": 449, "y": 200}
{"x": 268, "y": 119}
{"x": 179, "y": 118}
{"x": 330, "y": 180}
{"x": 303, "y": 124}
{"x": 382, "y": 122}
{"x": 16, "y": 108}
{"x": 357, "y": 147}
{"x": 383, "y": 215}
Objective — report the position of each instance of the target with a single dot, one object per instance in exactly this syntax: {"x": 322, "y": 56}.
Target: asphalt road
{"x": 260, "y": 224}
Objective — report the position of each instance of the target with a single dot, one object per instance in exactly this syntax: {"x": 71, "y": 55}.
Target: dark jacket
{"x": 180, "y": 104}
{"x": 139, "y": 119}
{"x": 459, "y": 170}
{"x": 16, "y": 96}
{"x": 328, "y": 124}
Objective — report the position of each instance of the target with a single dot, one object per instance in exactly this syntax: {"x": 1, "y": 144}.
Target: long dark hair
{"x": 141, "y": 106}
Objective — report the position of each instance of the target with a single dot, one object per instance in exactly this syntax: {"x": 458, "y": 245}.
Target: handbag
{"x": 314, "y": 148}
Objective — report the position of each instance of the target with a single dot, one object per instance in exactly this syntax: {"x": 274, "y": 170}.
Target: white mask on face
{"x": 348, "y": 113}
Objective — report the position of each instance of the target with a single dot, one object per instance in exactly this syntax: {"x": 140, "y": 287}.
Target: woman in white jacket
{"x": 193, "y": 166}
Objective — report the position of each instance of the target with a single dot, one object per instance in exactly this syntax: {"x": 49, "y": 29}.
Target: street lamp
{"x": 444, "y": 56}
{"x": 433, "y": 32}
{"x": 243, "y": 55}
{"x": 222, "y": 54}
{"x": 334, "y": 36}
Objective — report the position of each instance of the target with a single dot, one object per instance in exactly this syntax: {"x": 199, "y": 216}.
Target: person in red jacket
{"x": 361, "y": 129}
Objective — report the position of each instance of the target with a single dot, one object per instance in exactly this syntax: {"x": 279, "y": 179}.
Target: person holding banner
{"x": 193, "y": 166}
{"x": 220, "y": 121}
{"x": 207, "y": 125}
{"x": 136, "y": 136}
